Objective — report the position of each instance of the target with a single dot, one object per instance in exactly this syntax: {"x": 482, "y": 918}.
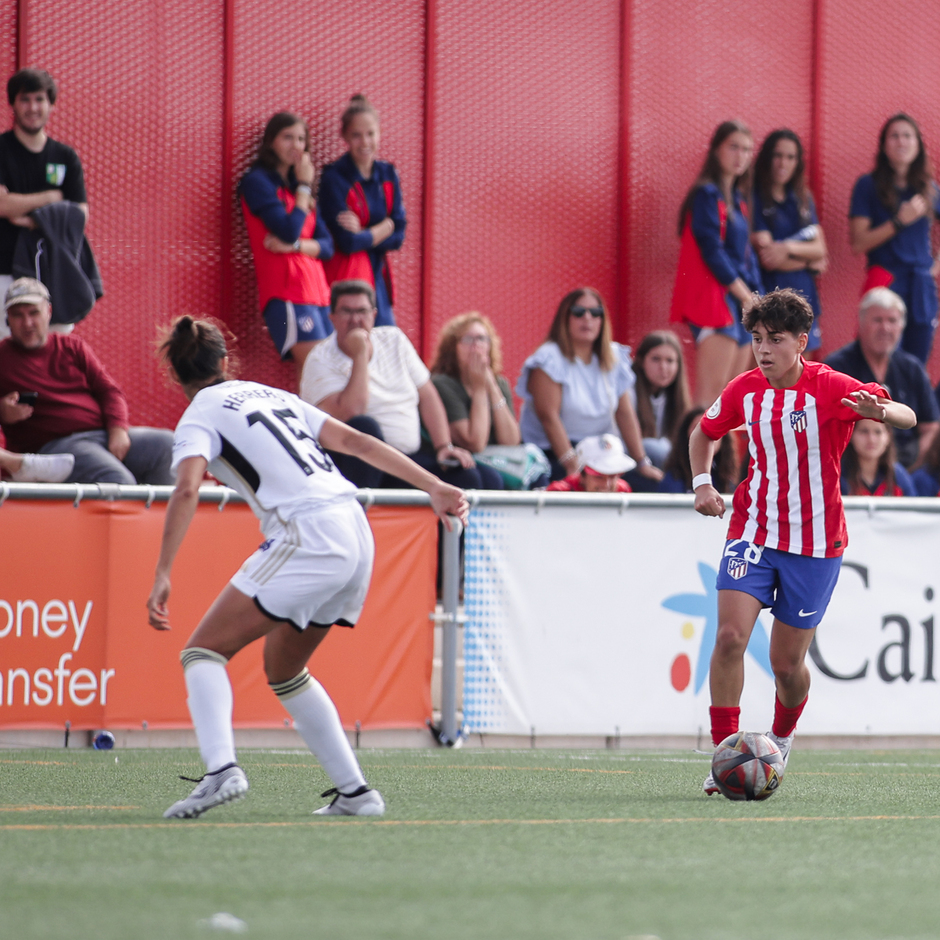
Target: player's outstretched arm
{"x": 708, "y": 501}
{"x": 880, "y": 409}
{"x": 179, "y": 514}
{"x": 445, "y": 499}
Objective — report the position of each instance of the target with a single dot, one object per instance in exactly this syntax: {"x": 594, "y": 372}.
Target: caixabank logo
{"x": 704, "y": 608}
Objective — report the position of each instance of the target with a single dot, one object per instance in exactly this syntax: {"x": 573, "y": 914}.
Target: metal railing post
{"x": 450, "y": 590}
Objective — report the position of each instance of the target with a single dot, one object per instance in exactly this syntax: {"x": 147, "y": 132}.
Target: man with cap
{"x": 57, "y": 398}
{"x": 602, "y": 460}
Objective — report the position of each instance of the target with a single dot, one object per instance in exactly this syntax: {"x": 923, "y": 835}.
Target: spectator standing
{"x": 661, "y": 392}
{"x": 79, "y": 409}
{"x": 577, "y": 384}
{"x": 892, "y": 211}
{"x": 371, "y": 378}
{"x": 288, "y": 239}
{"x": 869, "y": 465}
{"x": 360, "y": 198}
{"x": 477, "y": 398}
{"x": 718, "y": 275}
{"x": 787, "y": 235}
{"x": 35, "y": 170}
{"x": 875, "y": 356}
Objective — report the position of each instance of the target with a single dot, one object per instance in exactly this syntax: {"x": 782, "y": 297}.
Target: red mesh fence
{"x": 559, "y": 145}
{"x": 141, "y": 102}
{"x": 524, "y": 119}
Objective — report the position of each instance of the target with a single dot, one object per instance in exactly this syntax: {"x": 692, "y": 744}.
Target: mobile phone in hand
{"x": 27, "y": 398}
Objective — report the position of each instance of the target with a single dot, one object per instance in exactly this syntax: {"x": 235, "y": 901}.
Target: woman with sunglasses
{"x": 477, "y": 398}
{"x": 577, "y": 384}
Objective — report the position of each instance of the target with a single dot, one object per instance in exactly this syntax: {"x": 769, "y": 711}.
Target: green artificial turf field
{"x": 475, "y": 844}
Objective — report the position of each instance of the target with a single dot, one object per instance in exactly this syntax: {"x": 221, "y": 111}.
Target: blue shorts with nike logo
{"x": 796, "y": 588}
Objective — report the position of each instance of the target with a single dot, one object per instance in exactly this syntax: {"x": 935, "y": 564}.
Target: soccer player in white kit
{"x": 311, "y": 572}
{"x": 787, "y": 531}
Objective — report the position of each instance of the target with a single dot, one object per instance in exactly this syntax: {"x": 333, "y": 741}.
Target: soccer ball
{"x": 747, "y": 766}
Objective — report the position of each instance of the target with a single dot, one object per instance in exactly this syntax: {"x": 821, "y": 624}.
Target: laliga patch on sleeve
{"x": 715, "y": 409}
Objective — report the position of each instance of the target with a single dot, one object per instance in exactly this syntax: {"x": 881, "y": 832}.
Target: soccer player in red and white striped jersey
{"x": 787, "y": 531}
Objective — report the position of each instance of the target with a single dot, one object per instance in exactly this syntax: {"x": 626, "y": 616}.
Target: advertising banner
{"x": 75, "y": 644}
{"x": 595, "y": 621}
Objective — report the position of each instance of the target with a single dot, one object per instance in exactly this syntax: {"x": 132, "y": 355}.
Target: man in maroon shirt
{"x": 77, "y": 408}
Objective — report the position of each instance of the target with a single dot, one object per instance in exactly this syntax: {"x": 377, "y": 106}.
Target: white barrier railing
{"x": 538, "y": 691}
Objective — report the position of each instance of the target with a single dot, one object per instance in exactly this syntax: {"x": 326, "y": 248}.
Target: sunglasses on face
{"x": 579, "y": 312}
{"x": 470, "y": 340}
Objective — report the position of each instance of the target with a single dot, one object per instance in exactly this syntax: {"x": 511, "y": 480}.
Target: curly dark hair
{"x": 781, "y": 311}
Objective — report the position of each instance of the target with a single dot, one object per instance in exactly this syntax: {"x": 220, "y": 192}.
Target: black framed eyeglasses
{"x": 579, "y": 312}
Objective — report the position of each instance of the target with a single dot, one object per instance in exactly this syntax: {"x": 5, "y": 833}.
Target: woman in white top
{"x": 577, "y": 384}
{"x": 311, "y": 572}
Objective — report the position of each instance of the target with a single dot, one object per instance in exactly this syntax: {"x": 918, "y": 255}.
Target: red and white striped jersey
{"x": 791, "y": 499}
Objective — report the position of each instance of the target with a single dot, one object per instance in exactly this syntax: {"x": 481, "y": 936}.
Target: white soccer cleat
{"x": 784, "y": 744}
{"x": 709, "y": 786}
{"x": 44, "y": 468}
{"x": 221, "y": 786}
{"x": 362, "y": 802}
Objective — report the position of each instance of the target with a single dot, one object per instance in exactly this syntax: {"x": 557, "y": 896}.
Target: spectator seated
{"x": 78, "y": 409}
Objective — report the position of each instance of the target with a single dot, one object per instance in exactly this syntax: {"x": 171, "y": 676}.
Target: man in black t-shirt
{"x": 35, "y": 170}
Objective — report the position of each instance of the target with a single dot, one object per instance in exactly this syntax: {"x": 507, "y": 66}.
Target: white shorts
{"x": 314, "y": 570}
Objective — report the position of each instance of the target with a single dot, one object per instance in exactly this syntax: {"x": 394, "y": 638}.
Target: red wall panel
{"x": 873, "y": 63}
{"x": 141, "y": 101}
{"x": 376, "y": 49}
{"x": 523, "y": 182}
{"x": 691, "y": 66}
{"x": 537, "y": 149}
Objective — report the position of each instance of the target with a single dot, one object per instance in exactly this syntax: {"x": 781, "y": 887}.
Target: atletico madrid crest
{"x": 798, "y": 420}
{"x": 737, "y": 568}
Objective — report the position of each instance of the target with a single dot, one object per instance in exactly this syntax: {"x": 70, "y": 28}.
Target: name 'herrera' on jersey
{"x": 235, "y": 400}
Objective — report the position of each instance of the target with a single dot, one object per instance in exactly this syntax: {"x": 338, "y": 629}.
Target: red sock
{"x": 724, "y": 721}
{"x": 785, "y": 719}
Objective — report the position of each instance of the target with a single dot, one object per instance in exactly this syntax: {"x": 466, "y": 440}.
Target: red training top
{"x": 291, "y": 276}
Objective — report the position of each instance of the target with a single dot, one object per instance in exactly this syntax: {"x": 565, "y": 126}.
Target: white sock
{"x": 210, "y": 705}
{"x": 317, "y": 721}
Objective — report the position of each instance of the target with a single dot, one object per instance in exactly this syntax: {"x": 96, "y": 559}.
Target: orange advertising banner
{"x": 75, "y": 644}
